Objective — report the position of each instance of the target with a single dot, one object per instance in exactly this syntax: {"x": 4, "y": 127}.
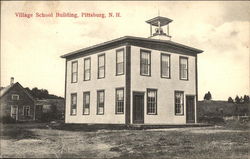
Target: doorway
{"x": 138, "y": 107}
{"x": 190, "y": 110}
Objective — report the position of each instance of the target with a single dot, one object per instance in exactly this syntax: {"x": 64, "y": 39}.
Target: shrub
{"x": 211, "y": 119}
{"x": 7, "y": 119}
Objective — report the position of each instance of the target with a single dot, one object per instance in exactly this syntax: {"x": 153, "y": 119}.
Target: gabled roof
{"x": 131, "y": 40}
{"x": 9, "y": 87}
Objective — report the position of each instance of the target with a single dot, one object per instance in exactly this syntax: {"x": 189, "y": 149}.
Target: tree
{"x": 246, "y": 99}
{"x": 237, "y": 99}
{"x": 241, "y": 100}
{"x": 208, "y": 96}
{"x": 230, "y": 100}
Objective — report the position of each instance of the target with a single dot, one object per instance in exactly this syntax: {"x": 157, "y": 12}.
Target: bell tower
{"x": 157, "y": 23}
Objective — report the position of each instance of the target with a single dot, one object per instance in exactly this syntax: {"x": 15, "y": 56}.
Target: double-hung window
{"x": 145, "y": 63}
{"x": 73, "y": 106}
{"x": 87, "y": 69}
{"x": 101, "y": 66}
{"x": 183, "y": 68}
{"x": 120, "y": 62}
{"x": 179, "y": 103}
{"x": 119, "y": 101}
{"x": 86, "y": 103}
{"x": 100, "y": 102}
{"x": 151, "y": 101}
{"x": 74, "y": 69}
{"x": 165, "y": 65}
{"x": 26, "y": 111}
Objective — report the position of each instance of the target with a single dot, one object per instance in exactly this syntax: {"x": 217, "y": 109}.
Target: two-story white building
{"x": 133, "y": 80}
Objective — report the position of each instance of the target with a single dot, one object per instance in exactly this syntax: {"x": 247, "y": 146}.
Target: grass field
{"x": 41, "y": 140}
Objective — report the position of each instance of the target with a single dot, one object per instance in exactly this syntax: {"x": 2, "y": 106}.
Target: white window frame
{"x": 87, "y": 70}
{"x": 119, "y": 103}
{"x": 73, "y": 105}
{"x": 179, "y": 105}
{"x": 24, "y": 110}
{"x": 182, "y": 70}
{"x": 120, "y": 63}
{"x": 14, "y": 95}
{"x": 101, "y": 67}
{"x": 74, "y": 73}
{"x": 145, "y": 65}
{"x": 165, "y": 68}
{"x": 151, "y": 105}
{"x": 86, "y": 106}
{"x": 12, "y": 108}
{"x": 99, "y": 104}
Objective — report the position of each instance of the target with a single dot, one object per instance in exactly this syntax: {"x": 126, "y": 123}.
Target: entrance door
{"x": 14, "y": 112}
{"x": 138, "y": 108}
{"x": 190, "y": 109}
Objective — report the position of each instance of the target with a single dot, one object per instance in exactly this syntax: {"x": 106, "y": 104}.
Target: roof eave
{"x": 197, "y": 51}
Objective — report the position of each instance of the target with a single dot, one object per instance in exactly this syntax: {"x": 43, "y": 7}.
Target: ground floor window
{"x": 100, "y": 102}
{"x": 26, "y": 111}
{"x": 119, "y": 101}
{"x": 86, "y": 103}
{"x": 73, "y": 104}
{"x": 151, "y": 101}
{"x": 14, "y": 111}
{"x": 179, "y": 103}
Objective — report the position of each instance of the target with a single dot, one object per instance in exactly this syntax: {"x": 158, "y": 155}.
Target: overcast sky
{"x": 31, "y": 47}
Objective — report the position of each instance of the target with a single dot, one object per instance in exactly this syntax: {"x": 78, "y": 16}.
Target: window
{"x": 14, "y": 111}
{"x": 74, "y": 72}
{"x": 100, "y": 102}
{"x": 73, "y": 104}
{"x": 183, "y": 68}
{"x": 86, "y": 103}
{"x": 15, "y": 97}
{"x": 120, "y": 62}
{"x": 101, "y": 66}
{"x": 87, "y": 69}
{"x": 151, "y": 101}
{"x": 165, "y": 66}
{"x": 179, "y": 103}
{"x": 26, "y": 110}
{"x": 145, "y": 63}
{"x": 119, "y": 101}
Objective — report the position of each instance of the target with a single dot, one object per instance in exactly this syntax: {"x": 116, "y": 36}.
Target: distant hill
{"x": 221, "y": 108}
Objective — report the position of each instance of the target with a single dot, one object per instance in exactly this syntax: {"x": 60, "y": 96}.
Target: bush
{"x": 8, "y": 119}
{"x": 211, "y": 120}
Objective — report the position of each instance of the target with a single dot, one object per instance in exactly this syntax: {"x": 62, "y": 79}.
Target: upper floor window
{"x": 86, "y": 102}
{"x": 120, "y": 62}
{"x": 87, "y": 69}
{"x": 101, "y": 66}
{"x": 183, "y": 68}
{"x": 74, "y": 69}
{"x": 151, "y": 101}
{"x": 145, "y": 63}
{"x": 165, "y": 65}
{"x": 100, "y": 102}
{"x": 73, "y": 104}
{"x": 14, "y": 97}
{"x": 26, "y": 110}
{"x": 179, "y": 103}
{"x": 119, "y": 101}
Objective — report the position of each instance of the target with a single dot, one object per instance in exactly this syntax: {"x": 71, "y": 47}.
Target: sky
{"x": 31, "y": 47}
